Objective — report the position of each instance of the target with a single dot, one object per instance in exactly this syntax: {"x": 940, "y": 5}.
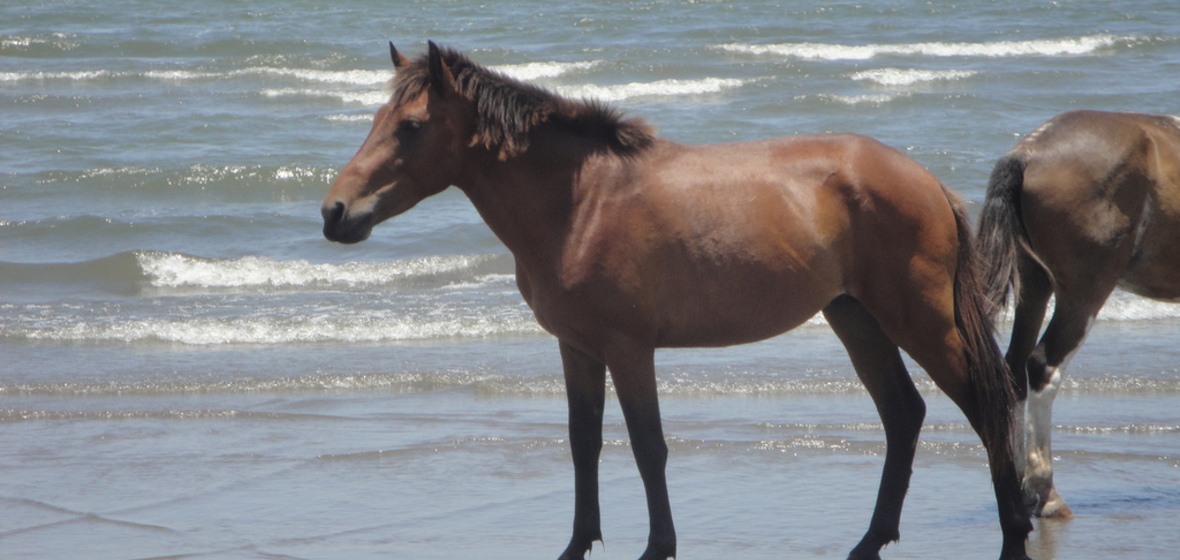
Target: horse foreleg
{"x": 1064, "y": 335}
{"x": 879, "y": 365}
{"x": 635, "y": 383}
{"x": 585, "y": 385}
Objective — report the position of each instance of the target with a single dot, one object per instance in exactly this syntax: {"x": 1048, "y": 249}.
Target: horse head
{"x": 412, "y": 151}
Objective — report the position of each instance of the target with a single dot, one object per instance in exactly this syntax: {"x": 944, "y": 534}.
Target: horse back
{"x": 841, "y": 198}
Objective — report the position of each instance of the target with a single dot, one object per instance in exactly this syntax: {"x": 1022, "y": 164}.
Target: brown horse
{"x": 625, "y": 242}
{"x": 1087, "y": 202}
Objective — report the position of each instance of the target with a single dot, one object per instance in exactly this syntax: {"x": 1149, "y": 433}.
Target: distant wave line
{"x": 403, "y": 382}
{"x": 906, "y": 77}
{"x": 659, "y": 88}
{"x": 179, "y": 270}
{"x": 552, "y": 385}
{"x": 364, "y": 90}
{"x": 418, "y": 382}
{"x": 356, "y": 77}
{"x": 530, "y": 71}
{"x": 864, "y": 99}
{"x": 276, "y": 331}
{"x": 608, "y": 93}
{"x": 366, "y": 97}
{"x": 998, "y": 49}
{"x": 167, "y": 271}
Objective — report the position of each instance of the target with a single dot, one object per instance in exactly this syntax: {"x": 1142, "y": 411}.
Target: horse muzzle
{"x": 342, "y": 227}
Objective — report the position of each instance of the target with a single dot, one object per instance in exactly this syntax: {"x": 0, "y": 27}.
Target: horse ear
{"x": 398, "y": 59}
{"x": 440, "y": 76}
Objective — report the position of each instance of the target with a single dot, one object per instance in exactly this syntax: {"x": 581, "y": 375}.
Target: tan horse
{"x": 625, "y": 242}
{"x": 1088, "y": 201}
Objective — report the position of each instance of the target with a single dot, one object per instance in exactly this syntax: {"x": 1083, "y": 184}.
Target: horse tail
{"x": 1001, "y": 232}
{"x": 992, "y": 390}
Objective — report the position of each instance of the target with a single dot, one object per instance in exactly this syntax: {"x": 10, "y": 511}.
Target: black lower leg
{"x": 901, "y": 436}
{"x": 635, "y": 384}
{"x": 651, "y": 456}
{"x": 878, "y": 363}
{"x": 585, "y": 389}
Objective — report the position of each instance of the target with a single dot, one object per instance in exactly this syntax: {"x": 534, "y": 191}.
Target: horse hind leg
{"x": 879, "y": 365}
{"x": 1067, "y": 330}
{"x": 929, "y": 334}
{"x": 1029, "y": 315}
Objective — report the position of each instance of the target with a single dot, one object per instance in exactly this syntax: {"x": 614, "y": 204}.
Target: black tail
{"x": 991, "y": 387}
{"x": 1001, "y": 231}
{"x": 986, "y": 366}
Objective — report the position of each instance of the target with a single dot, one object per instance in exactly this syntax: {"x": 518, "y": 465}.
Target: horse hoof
{"x": 573, "y": 552}
{"x": 659, "y": 550}
{"x": 1055, "y": 508}
{"x": 854, "y": 555}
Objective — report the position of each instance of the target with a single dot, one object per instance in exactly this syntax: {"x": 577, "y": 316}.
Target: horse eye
{"x": 409, "y": 126}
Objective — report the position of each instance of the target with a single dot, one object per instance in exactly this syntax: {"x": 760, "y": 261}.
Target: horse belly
{"x": 742, "y": 310}
{"x": 714, "y": 331}
{"x": 1153, "y": 286}
{"x": 1154, "y": 274}
{"x": 1154, "y": 268}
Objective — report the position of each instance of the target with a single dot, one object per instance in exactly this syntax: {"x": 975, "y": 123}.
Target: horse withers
{"x": 625, "y": 242}
{"x": 1088, "y": 201}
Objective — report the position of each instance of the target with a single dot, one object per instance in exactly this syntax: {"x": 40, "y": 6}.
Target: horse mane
{"x": 507, "y": 109}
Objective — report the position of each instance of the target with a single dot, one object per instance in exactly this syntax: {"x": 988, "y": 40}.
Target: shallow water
{"x": 189, "y": 370}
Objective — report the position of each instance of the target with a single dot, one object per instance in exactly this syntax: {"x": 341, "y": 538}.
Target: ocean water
{"x": 189, "y": 370}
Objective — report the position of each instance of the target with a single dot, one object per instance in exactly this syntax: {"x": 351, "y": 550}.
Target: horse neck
{"x": 528, "y": 200}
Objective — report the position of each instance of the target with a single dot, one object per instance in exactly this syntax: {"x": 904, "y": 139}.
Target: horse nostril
{"x": 333, "y": 214}
{"x": 333, "y": 218}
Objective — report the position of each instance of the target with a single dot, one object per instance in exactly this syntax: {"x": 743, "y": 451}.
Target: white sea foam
{"x": 15, "y": 41}
{"x": 63, "y": 41}
{"x": 910, "y": 76}
{"x": 366, "y": 86}
{"x": 527, "y": 71}
{"x": 350, "y": 118}
{"x": 537, "y": 70}
{"x": 71, "y": 76}
{"x": 201, "y": 174}
{"x": 182, "y": 75}
{"x": 272, "y": 330}
{"x": 345, "y": 77}
{"x": 354, "y": 77}
{"x": 399, "y": 382}
{"x": 349, "y": 77}
{"x": 670, "y": 87}
{"x": 866, "y": 99}
{"x": 299, "y": 172}
{"x": 369, "y": 97}
{"x": 173, "y": 270}
{"x": 1120, "y": 307}
{"x": 1039, "y": 47}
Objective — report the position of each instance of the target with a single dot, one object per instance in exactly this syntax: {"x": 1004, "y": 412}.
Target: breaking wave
{"x": 1090, "y": 44}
